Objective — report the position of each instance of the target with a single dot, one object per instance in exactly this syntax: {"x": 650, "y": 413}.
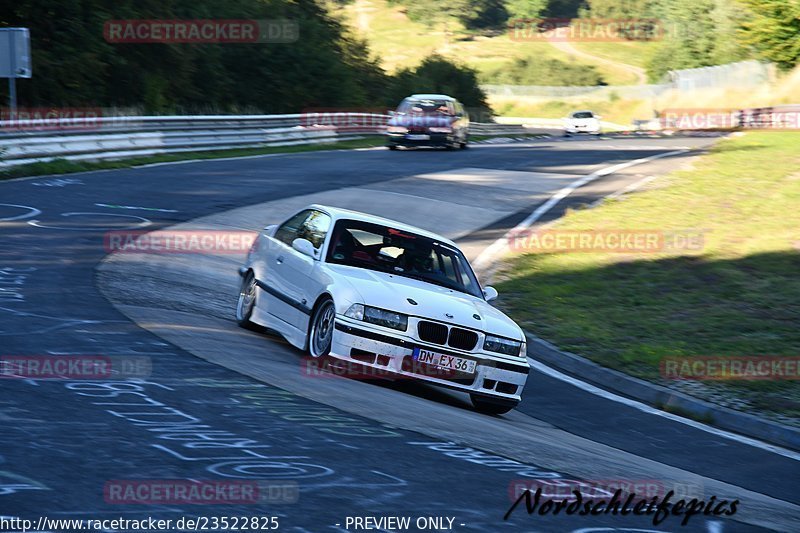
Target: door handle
{"x": 280, "y": 260}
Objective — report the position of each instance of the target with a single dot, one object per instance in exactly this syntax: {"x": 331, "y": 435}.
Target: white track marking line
{"x": 544, "y": 369}
{"x": 144, "y": 222}
{"x": 136, "y": 208}
{"x": 32, "y": 212}
{"x": 490, "y": 254}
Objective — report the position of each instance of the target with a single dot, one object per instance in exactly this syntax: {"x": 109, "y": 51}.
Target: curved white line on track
{"x": 490, "y": 254}
{"x": 544, "y": 369}
{"x": 143, "y": 224}
{"x": 33, "y": 212}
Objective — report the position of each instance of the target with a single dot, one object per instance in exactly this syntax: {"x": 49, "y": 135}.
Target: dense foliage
{"x": 438, "y": 75}
{"x": 75, "y": 65}
{"x": 545, "y": 71}
{"x": 694, "y": 33}
{"x": 774, "y": 30}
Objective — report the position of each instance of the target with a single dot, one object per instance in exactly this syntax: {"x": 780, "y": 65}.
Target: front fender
{"x": 342, "y": 290}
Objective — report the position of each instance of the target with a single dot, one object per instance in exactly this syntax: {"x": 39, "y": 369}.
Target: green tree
{"x": 438, "y": 75}
{"x": 774, "y": 30}
{"x": 74, "y": 65}
{"x": 526, "y": 9}
{"x": 698, "y": 33}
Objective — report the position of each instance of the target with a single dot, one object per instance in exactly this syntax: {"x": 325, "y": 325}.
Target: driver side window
{"x": 315, "y": 228}
{"x": 290, "y": 229}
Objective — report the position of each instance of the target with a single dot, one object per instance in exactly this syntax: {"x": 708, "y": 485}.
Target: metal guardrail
{"x": 108, "y": 138}
{"x": 553, "y": 123}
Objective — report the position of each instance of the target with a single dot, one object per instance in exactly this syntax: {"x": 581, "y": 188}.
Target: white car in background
{"x": 581, "y": 122}
{"x": 384, "y": 295}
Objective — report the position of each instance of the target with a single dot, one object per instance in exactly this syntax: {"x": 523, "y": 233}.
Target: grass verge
{"x": 400, "y": 42}
{"x": 63, "y": 166}
{"x": 737, "y": 295}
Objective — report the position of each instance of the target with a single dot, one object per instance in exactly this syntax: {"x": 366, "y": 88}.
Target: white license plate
{"x": 441, "y": 360}
{"x": 418, "y": 137}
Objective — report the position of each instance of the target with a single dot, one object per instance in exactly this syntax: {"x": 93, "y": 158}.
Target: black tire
{"x": 247, "y": 301}
{"x": 488, "y": 406}
{"x": 320, "y": 329}
{"x": 463, "y": 145}
{"x": 391, "y": 146}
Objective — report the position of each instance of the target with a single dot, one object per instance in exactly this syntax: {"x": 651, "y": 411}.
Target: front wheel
{"x": 492, "y": 407}
{"x": 320, "y": 335}
{"x": 247, "y": 301}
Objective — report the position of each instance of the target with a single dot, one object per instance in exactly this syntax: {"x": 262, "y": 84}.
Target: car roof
{"x": 432, "y": 97}
{"x": 338, "y": 213}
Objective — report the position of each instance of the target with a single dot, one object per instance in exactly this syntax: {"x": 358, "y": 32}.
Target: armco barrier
{"x": 108, "y": 138}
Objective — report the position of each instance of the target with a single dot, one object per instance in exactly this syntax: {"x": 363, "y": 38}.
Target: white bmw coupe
{"x": 385, "y": 296}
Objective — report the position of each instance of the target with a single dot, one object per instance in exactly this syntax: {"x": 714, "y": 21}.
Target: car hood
{"x": 391, "y": 292}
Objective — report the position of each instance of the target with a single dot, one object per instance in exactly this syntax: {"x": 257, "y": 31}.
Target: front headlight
{"x": 503, "y": 346}
{"x": 380, "y": 317}
{"x": 397, "y": 129}
{"x": 355, "y": 312}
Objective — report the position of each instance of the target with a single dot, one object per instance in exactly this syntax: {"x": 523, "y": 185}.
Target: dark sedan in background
{"x": 428, "y": 120}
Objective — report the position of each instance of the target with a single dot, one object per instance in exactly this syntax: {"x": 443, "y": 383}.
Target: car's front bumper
{"x": 575, "y": 130}
{"x": 374, "y": 348}
{"x": 434, "y": 139}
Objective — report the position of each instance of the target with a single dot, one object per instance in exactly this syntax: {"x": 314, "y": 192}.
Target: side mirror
{"x": 270, "y": 230}
{"x": 305, "y": 247}
{"x": 490, "y": 293}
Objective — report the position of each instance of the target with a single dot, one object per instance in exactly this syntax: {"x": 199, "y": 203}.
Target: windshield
{"x": 376, "y": 247}
{"x": 425, "y": 107}
{"x": 583, "y": 114}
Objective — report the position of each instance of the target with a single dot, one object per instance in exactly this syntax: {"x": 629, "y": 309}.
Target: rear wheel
{"x": 320, "y": 335}
{"x": 488, "y": 406}
{"x": 391, "y": 146}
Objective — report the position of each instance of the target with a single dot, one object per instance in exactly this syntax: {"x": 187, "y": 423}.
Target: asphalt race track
{"x": 321, "y": 448}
